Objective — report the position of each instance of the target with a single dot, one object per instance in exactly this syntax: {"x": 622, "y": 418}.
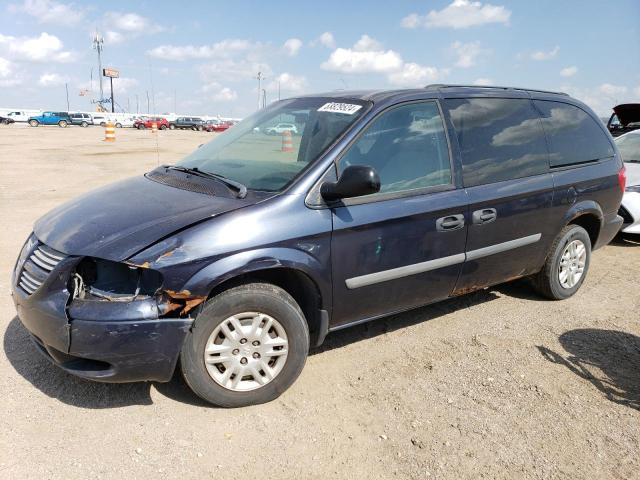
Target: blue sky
{"x": 203, "y": 55}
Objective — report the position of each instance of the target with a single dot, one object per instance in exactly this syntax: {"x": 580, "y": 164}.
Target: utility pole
{"x": 260, "y": 77}
{"x": 66, "y": 87}
{"x": 98, "y": 45}
{"x": 113, "y": 107}
{"x": 128, "y": 106}
{"x": 175, "y": 109}
{"x": 148, "y": 110}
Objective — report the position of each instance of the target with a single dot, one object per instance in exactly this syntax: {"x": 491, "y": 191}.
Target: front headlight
{"x": 27, "y": 248}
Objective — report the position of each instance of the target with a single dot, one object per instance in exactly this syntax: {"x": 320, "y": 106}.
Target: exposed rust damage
{"x": 142, "y": 265}
{"x": 182, "y": 302}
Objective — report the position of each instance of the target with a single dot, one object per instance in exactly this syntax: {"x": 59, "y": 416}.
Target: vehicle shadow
{"x": 626, "y": 240}
{"x": 55, "y": 383}
{"x": 608, "y": 359}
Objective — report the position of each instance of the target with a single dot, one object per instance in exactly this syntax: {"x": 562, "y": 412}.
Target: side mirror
{"x": 355, "y": 181}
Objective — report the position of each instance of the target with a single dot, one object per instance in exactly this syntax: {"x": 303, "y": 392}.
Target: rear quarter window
{"x": 500, "y": 139}
{"x": 574, "y": 136}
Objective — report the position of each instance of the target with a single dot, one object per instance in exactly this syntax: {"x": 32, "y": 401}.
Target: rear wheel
{"x": 84, "y": 124}
{"x": 141, "y": 127}
{"x": 62, "y": 123}
{"x": 567, "y": 264}
{"x": 172, "y": 127}
{"x": 34, "y": 123}
{"x": 118, "y": 125}
{"x": 163, "y": 127}
{"x": 247, "y": 346}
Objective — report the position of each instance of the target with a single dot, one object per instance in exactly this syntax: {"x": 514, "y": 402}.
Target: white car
{"x": 18, "y": 116}
{"x": 280, "y": 128}
{"x": 629, "y": 146}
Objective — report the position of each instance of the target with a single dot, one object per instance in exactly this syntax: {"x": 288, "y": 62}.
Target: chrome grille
{"x": 37, "y": 268}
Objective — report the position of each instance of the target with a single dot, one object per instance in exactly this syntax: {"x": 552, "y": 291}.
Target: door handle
{"x": 485, "y": 215}
{"x": 450, "y": 223}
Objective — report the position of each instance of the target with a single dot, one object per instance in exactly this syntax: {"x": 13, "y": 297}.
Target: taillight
{"x": 622, "y": 178}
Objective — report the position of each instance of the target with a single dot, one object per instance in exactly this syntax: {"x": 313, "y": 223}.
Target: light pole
{"x": 98, "y": 45}
{"x": 260, "y": 77}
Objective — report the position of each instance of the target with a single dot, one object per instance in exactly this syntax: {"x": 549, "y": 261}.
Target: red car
{"x": 143, "y": 123}
{"x": 217, "y": 126}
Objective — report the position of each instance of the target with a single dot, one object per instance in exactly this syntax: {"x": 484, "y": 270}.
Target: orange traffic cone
{"x": 154, "y": 127}
{"x": 287, "y": 141}
{"x": 109, "y": 132}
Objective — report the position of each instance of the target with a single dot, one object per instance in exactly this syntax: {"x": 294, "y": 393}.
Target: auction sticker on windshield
{"x": 334, "y": 107}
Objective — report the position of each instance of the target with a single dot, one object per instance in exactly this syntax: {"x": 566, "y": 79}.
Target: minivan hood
{"x": 118, "y": 220}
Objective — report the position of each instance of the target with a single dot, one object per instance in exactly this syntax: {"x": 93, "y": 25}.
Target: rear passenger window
{"x": 574, "y": 136}
{"x": 500, "y": 139}
{"x": 407, "y": 146}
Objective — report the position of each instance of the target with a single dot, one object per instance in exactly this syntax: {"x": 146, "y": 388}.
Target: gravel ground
{"x": 496, "y": 384}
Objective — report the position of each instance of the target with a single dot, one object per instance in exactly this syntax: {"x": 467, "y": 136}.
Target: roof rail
{"x": 443, "y": 85}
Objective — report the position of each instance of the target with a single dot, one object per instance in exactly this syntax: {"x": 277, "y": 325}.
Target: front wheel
{"x": 163, "y": 127}
{"x": 62, "y": 123}
{"x": 172, "y": 127}
{"x": 118, "y": 125}
{"x": 567, "y": 264}
{"x": 246, "y": 347}
{"x": 84, "y": 124}
{"x": 34, "y": 123}
{"x": 141, "y": 127}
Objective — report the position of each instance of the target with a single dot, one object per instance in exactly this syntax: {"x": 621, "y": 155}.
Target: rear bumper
{"x": 610, "y": 228}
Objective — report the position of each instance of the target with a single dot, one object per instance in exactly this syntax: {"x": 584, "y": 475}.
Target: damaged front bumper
{"x": 109, "y": 340}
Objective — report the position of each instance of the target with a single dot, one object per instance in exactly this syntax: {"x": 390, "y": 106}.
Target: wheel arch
{"x": 589, "y": 216}
{"x": 292, "y": 270}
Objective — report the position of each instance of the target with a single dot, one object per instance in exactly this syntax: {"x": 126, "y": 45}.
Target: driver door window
{"x": 407, "y": 146}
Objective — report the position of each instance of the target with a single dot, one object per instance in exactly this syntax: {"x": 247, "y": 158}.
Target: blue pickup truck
{"x": 50, "y": 118}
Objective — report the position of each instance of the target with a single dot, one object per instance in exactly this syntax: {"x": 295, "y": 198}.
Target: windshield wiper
{"x": 239, "y": 187}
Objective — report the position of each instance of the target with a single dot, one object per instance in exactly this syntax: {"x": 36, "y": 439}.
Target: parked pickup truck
{"x": 50, "y": 118}
{"x": 143, "y": 123}
{"x": 184, "y": 123}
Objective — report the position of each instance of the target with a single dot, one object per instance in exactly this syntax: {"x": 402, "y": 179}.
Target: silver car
{"x": 629, "y": 146}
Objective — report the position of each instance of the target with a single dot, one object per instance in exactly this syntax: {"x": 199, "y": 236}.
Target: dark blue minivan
{"x": 246, "y": 253}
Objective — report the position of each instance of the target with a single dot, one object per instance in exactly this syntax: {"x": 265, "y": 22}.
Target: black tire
{"x": 253, "y": 297}
{"x": 118, "y": 125}
{"x": 547, "y": 281}
{"x": 84, "y": 124}
{"x": 62, "y": 123}
{"x": 163, "y": 127}
{"x": 141, "y": 126}
{"x": 33, "y": 123}
{"x": 172, "y": 126}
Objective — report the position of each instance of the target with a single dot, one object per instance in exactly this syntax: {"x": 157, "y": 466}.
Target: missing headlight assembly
{"x": 97, "y": 280}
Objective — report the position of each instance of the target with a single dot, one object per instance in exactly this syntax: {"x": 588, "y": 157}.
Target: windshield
{"x": 629, "y": 146}
{"x": 255, "y": 154}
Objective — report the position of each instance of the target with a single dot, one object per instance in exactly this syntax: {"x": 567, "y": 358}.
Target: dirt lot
{"x": 497, "y": 384}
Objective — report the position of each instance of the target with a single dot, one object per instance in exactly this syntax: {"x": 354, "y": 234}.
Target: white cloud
{"x": 222, "y": 49}
{"x": 327, "y": 40}
{"x": 459, "y": 14}
{"x": 113, "y": 37}
{"x": 366, "y": 43}
{"x": 568, "y": 71}
{"x": 604, "y": 97}
{"x": 542, "y": 55}
{"x": 636, "y": 92}
{"x": 292, "y": 46}
{"x": 288, "y": 83}
{"x": 467, "y": 53}
{"x": 121, "y": 86}
{"x": 611, "y": 90}
{"x": 44, "y": 48}
{"x": 131, "y": 23}
{"x": 225, "y": 95}
{"x": 50, "y": 11}
{"x": 483, "y": 81}
{"x": 414, "y": 75}
{"x": 52, "y": 80}
{"x": 359, "y": 60}
{"x": 8, "y": 76}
